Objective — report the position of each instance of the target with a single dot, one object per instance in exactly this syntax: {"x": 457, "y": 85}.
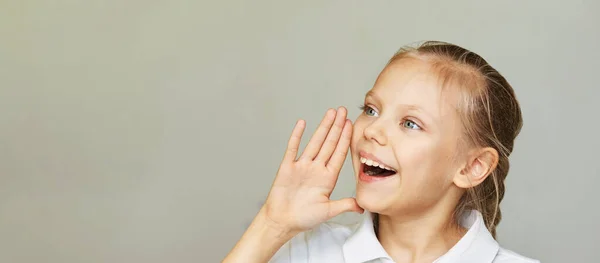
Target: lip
{"x": 367, "y": 178}
{"x": 370, "y": 179}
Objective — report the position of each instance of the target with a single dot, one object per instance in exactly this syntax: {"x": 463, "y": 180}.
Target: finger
{"x": 319, "y": 136}
{"x": 333, "y": 136}
{"x": 344, "y": 205}
{"x": 294, "y": 142}
{"x": 341, "y": 150}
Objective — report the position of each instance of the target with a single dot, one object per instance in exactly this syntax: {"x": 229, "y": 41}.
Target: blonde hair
{"x": 490, "y": 115}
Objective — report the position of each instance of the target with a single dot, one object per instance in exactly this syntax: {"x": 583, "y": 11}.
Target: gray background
{"x": 150, "y": 131}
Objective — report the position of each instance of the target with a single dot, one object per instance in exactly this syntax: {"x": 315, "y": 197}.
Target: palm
{"x": 299, "y": 197}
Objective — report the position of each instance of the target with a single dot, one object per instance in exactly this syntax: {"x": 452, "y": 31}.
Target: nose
{"x": 375, "y": 132}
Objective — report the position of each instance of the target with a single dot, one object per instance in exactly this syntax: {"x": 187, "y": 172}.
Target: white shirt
{"x": 333, "y": 243}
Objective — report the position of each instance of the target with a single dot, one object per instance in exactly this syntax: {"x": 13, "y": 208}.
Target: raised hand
{"x": 299, "y": 196}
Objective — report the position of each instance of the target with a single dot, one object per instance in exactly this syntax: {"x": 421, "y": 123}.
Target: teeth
{"x": 374, "y": 164}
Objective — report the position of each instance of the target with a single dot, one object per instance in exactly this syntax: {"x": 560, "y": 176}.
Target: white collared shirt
{"x": 333, "y": 243}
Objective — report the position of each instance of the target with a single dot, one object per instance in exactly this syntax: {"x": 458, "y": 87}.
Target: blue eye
{"x": 410, "y": 125}
{"x": 368, "y": 110}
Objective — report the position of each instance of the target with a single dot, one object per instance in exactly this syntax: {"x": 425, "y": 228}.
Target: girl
{"x": 430, "y": 155}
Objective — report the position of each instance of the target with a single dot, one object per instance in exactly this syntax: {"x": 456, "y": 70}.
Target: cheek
{"x": 414, "y": 154}
{"x": 424, "y": 164}
{"x": 357, "y": 132}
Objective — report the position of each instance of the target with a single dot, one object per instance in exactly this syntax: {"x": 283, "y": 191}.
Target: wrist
{"x": 270, "y": 229}
{"x": 263, "y": 238}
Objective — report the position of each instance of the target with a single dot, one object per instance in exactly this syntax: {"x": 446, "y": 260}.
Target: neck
{"x": 421, "y": 236}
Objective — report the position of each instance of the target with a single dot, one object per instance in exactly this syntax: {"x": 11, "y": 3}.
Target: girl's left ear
{"x": 480, "y": 164}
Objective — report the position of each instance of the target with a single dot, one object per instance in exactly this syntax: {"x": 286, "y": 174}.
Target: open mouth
{"x": 373, "y": 168}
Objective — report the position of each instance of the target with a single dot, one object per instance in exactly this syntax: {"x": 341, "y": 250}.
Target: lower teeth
{"x": 380, "y": 174}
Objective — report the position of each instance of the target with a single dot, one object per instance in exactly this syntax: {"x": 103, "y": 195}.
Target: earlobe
{"x": 477, "y": 168}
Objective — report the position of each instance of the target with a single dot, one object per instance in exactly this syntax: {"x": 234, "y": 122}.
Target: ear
{"x": 479, "y": 165}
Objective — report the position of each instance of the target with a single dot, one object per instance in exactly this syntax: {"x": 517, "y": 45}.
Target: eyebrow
{"x": 373, "y": 95}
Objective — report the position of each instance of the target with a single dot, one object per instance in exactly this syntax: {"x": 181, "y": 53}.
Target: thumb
{"x": 337, "y": 207}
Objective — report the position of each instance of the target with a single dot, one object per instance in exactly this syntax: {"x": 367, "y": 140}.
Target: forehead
{"x": 412, "y": 82}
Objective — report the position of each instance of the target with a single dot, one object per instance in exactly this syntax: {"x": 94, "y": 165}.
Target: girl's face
{"x": 412, "y": 129}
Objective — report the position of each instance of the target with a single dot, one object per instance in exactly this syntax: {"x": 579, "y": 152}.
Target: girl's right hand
{"x": 299, "y": 197}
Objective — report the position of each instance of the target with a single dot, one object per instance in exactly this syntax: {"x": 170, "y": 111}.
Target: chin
{"x": 373, "y": 200}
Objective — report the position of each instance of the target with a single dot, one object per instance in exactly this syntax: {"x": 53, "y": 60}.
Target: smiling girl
{"x": 430, "y": 154}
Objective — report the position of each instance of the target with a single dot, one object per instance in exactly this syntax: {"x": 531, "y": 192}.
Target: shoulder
{"x": 508, "y": 256}
{"x": 326, "y": 238}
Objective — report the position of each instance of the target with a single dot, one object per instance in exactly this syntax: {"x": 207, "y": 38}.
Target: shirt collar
{"x": 477, "y": 245}
{"x": 363, "y": 244}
